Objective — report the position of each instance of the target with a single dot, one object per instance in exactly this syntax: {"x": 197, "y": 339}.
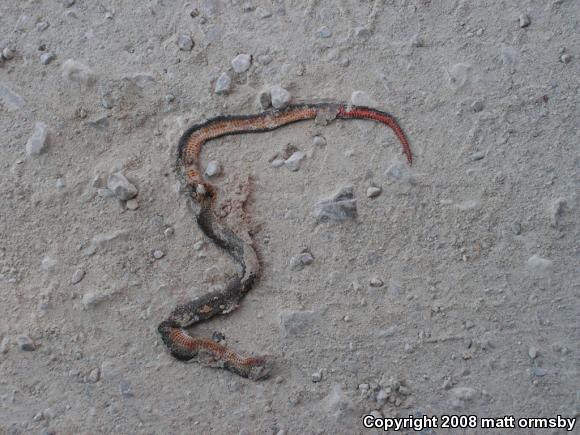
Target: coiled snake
{"x": 202, "y": 197}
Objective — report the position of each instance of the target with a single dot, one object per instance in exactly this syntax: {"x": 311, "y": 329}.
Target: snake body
{"x": 202, "y": 197}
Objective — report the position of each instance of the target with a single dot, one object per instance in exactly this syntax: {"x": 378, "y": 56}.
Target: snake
{"x": 201, "y": 196}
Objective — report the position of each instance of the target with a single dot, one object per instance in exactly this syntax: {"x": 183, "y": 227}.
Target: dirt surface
{"x": 454, "y": 291}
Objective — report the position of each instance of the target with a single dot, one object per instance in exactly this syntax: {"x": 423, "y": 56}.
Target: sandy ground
{"x": 455, "y": 291}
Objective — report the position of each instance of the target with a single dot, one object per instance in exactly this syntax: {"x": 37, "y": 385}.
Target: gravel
{"x": 241, "y": 63}
{"x": 361, "y": 98}
{"x": 294, "y": 161}
{"x": 121, "y": 187}
{"x": 38, "y": 142}
{"x": 223, "y": 84}
{"x": 46, "y": 58}
{"x": 213, "y": 168}
{"x": 298, "y": 262}
{"x": 264, "y": 100}
{"x": 77, "y": 276}
{"x": 524, "y": 20}
{"x": 373, "y": 191}
{"x": 280, "y": 97}
{"x": 184, "y": 42}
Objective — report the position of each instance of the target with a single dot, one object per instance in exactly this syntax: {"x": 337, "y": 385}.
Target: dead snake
{"x": 202, "y": 197}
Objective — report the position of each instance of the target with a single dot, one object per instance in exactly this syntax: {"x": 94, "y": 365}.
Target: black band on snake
{"x": 202, "y": 197}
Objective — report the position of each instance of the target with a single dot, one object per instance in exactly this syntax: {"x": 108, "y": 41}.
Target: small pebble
{"x": 132, "y": 204}
{"x": 477, "y": 106}
{"x": 373, "y": 192}
{"x": 319, "y": 141}
{"x": 317, "y": 376}
{"x": 360, "y": 98}
{"x": 41, "y": 26}
{"x": 324, "y": 32}
{"x": 280, "y": 97}
{"x": 540, "y": 371}
{"x": 213, "y": 168}
{"x": 241, "y": 63}
{"x": 566, "y": 58}
{"x": 376, "y": 282}
{"x": 121, "y": 187}
{"x": 264, "y": 100}
{"x": 524, "y": 20}
{"x": 533, "y": 352}
{"x": 477, "y": 156}
{"x": 516, "y": 228}
{"x": 77, "y": 276}
{"x": 293, "y": 162}
{"x": 198, "y": 246}
{"x": 158, "y": 254}
{"x": 408, "y": 348}
{"x": 168, "y": 231}
{"x": 376, "y": 414}
{"x": 277, "y": 163}
{"x": 223, "y": 84}
{"x": 46, "y": 58}
{"x": 169, "y": 98}
{"x": 298, "y": 262}
{"x": 8, "y": 53}
{"x": 94, "y": 375}
{"x": 36, "y": 144}
{"x": 184, "y": 42}
{"x": 25, "y": 343}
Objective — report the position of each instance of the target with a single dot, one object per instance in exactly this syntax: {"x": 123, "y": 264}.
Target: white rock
{"x": 46, "y": 58}
{"x": 121, "y": 187}
{"x": 373, "y": 192}
{"x": 213, "y": 168}
{"x": 38, "y": 141}
{"x": 293, "y": 162}
{"x": 184, "y": 42}
{"x": 360, "y": 98}
{"x": 298, "y": 262}
{"x": 8, "y": 53}
{"x": 76, "y": 72}
{"x": 241, "y": 63}
{"x": 223, "y": 84}
{"x": 280, "y": 97}
{"x": 77, "y": 277}
{"x": 132, "y": 204}
{"x": 277, "y": 163}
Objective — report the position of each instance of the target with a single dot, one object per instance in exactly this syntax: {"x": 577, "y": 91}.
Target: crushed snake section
{"x": 202, "y": 196}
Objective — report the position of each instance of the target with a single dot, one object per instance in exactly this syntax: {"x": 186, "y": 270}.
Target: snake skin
{"x": 202, "y": 198}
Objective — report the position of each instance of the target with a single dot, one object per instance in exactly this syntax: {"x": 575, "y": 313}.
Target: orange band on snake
{"x": 202, "y": 195}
